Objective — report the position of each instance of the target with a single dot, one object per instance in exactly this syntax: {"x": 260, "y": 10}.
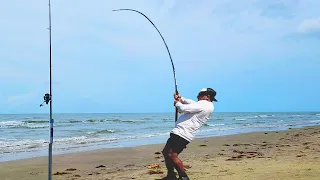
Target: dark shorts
{"x": 177, "y": 143}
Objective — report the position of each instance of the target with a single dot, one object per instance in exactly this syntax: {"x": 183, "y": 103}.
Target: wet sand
{"x": 285, "y": 155}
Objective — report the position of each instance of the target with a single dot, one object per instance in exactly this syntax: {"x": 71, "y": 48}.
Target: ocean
{"x": 27, "y": 135}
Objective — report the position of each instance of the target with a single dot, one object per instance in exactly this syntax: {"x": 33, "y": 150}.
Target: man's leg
{"x": 177, "y": 162}
{"x": 168, "y": 162}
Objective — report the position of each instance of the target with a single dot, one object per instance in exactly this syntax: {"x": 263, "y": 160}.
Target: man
{"x": 195, "y": 114}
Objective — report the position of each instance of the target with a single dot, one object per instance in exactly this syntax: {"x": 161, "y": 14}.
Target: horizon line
{"x": 159, "y": 112}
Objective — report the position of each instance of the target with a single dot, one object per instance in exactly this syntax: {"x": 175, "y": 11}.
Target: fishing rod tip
{"x": 123, "y": 9}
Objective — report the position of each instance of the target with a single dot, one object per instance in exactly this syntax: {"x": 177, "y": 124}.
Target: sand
{"x": 285, "y": 155}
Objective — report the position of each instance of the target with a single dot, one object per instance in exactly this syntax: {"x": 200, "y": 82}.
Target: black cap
{"x": 209, "y": 91}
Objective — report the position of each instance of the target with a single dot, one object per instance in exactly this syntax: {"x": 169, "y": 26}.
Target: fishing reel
{"x": 46, "y": 99}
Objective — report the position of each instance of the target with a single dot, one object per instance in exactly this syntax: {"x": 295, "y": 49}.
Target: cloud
{"x": 310, "y": 26}
{"x": 85, "y": 34}
{"x": 98, "y": 51}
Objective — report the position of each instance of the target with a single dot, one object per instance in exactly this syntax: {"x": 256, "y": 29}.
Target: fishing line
{"x": 174, "y": 72}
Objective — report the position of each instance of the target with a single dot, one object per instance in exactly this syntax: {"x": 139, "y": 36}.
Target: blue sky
{"x": 258, "y": 55}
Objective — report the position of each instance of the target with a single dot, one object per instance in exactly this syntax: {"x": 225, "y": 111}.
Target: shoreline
{"x": 145, "y": 143}
{"x": 219, "y": 157}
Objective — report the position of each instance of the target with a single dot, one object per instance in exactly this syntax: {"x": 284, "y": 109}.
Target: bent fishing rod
{"x": 48, "y": 98}
{"x": 174, "y": 72}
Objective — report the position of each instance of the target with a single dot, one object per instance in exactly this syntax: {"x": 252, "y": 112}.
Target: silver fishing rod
{"x": 48, "y": 99}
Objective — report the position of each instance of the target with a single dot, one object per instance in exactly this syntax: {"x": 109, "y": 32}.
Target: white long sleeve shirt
{"x": 195, "y": 114}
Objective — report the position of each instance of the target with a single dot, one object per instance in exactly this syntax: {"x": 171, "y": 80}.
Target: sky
{"x": 258, "y": 55}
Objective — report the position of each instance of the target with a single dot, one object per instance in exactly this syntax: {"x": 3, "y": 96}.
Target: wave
{"x": 31, "y": 126}
{"x": 315, "y": 121}
{"x": 15, "y": 145}
{"x": 12, "y": 145}
{"x": 114, "y": 120}
{"x": 239, "y": 119}
{"x": 25, "y": 125}
{"x": 75, "y": 121}
{"x": 217, "y": 129}
{"x": 20, "y": 124}
{"x": 264, "y": 126}
{"x": 167, "y": 119}
{"x": 266, "y": 115}
{"x": 10, "y": 123}
{"x": 36, "y": 122}
{"x": 213, "y": 125}
{"x": 105, "y": 131}
{"x": 95, "y": 120}
{"x": 282, "y": 125}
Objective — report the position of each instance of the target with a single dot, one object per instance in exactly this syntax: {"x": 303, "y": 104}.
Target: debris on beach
{"x": 129, "y": 165}
{"x": 100, "y": 166}
{"x": 155, "y": 172}
{"x": 154, "y": 166}
{"x": 61, "y": 173}
{"x": 247, "y": 154}
{"x": 71, "y": 169}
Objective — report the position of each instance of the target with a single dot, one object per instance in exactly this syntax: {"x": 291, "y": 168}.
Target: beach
{"x": 286, "y": 155}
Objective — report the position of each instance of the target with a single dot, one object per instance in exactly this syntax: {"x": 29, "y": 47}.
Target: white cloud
{"x": 309, "y": 25}
{"x": 223, "y": 32}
